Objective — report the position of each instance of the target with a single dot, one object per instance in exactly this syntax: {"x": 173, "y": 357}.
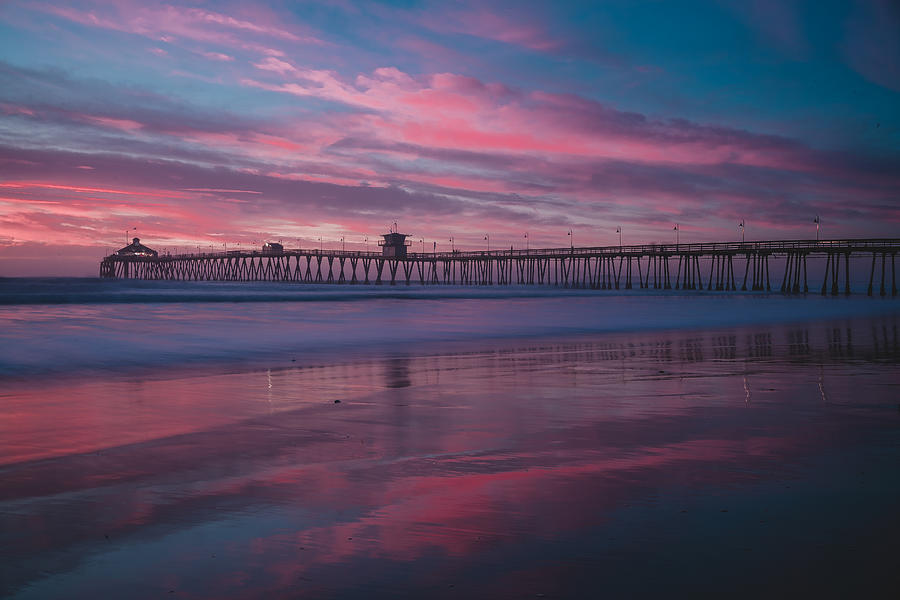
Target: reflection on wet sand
{"x": 701, "y": 462}
{"x": 397, "y": 371}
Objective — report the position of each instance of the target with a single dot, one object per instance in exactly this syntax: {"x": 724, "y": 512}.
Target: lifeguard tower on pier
{"x": 394, "y": 244}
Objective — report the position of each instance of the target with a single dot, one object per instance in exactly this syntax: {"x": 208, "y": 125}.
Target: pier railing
{"x": 772, "y": 246}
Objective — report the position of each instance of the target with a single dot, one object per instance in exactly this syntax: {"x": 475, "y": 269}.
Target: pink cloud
{"x": 120, "y": 124}
{"x": 219, "y": 190}
{"x": 26, "y": 185}
{"x": 170, "y": 23}
{"x": 217, "y": 56}
{"x": 514, "y": 28}
{"x": 314, "y": 178}
{"x": 199, "y": 15}
{"x": 276, "y": 65}
{"x": 453, "y": 111}
{"x": 12, "y": 109}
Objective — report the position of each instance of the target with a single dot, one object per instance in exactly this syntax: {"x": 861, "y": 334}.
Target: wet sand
{"x": 749, "y": 462}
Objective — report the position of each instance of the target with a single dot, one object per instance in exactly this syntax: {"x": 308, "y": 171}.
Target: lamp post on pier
{"x": 526, "y": 242}
{"x": 817, "y": 221}
{"x": 676, "y": 234}
{"x": 571, "y": 240}
{"x": 342, "y": 243}
{"x": 742, "y": 230}
{"x": 619, "y": 231}
{"x": 487, "y": 236}
{"x": 452, "y": 247}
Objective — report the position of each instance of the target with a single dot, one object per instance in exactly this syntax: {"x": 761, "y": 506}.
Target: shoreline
{"x": 338, "y": 356}
{"x": 136, "y": 339}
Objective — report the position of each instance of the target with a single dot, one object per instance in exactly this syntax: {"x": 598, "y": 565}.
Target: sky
{"x": 224, "y": 125}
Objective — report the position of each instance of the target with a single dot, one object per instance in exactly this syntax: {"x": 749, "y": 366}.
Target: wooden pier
{"x": 720, "y": 266}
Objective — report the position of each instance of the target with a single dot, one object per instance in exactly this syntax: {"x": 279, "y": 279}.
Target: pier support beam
{"x": 847, "y": 274}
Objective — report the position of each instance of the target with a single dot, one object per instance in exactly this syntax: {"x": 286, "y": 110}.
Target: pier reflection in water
{"x": 745, "y": 462}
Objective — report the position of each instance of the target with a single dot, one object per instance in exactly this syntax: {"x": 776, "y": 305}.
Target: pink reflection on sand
{"x": 454, "y": 457}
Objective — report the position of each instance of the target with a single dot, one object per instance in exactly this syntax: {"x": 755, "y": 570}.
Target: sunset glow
{"x": 206, "y": 124}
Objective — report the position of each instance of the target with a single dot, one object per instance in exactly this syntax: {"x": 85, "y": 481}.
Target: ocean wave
{"x": 119, "y": 328}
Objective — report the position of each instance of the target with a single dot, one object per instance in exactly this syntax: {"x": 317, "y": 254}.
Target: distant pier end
{"x": 125, "y": 258}
{"x": 136, "y": 248}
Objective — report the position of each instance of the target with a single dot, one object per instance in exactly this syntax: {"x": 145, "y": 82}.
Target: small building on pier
{"x": 394, "y": 244}
{"x": 272, "y": 248}
{"x": 136, "y": 248}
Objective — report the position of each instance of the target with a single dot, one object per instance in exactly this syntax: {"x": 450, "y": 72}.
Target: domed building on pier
{"x": 136, "y": 248}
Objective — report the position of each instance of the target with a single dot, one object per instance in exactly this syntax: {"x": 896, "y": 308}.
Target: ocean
{"x": 240, "y": 440}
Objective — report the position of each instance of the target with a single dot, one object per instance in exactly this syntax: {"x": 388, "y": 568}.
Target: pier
{"x": 719, "y": 266}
